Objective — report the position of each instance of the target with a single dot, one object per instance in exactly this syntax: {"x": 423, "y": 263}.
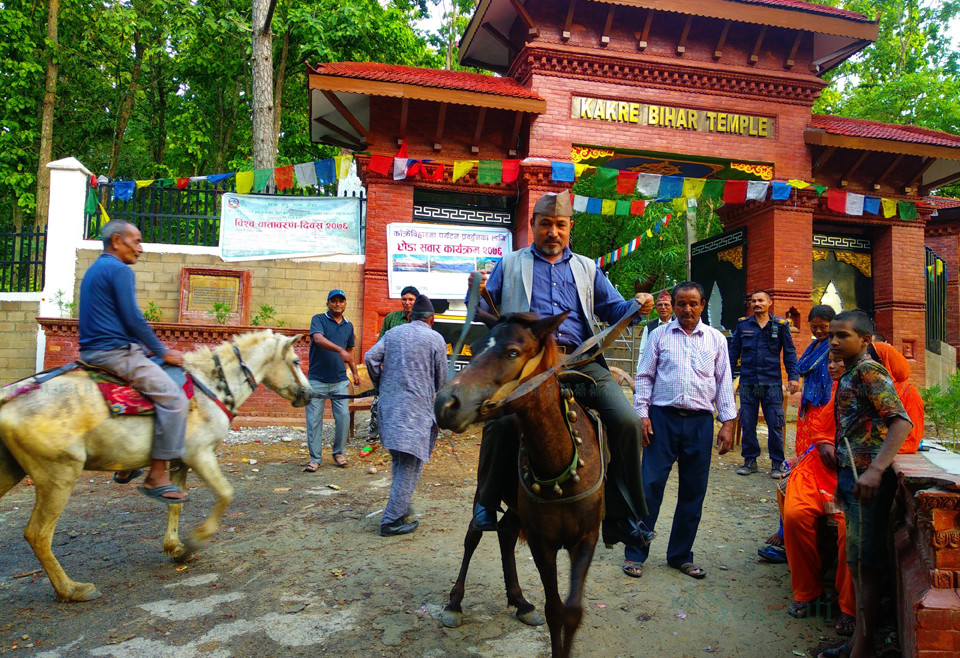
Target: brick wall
{"x": 948, "y": 248}
{"x": 296, "y": 288}
{"x": 264, "y": 407}
{"x": 18, "y": 339}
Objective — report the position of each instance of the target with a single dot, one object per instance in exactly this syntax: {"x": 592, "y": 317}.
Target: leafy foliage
{"x": 942, "y": 408}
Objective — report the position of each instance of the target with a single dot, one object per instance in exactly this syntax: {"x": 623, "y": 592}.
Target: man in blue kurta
{"x": 409, "y": 365}
{"x": 112, "y": 336}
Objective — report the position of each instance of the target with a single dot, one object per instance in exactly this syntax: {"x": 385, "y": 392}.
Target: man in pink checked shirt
{"x": 683, "y": 375}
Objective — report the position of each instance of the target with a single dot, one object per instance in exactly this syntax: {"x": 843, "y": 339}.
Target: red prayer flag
{"x": 735, "y": 191}
{"x": 283, "y": 177}
{"x": 511, "y": 169}
{"x": 638, "y": 207}
{"x": 437, "y": 174}
{"x": 837, "y": 201}
{"x": 414, "y": 167}
{"x": 381, "y": 164}
{"x": 182, "y": 183}
{"x": 627, "y": 182}
{"x": 402, "y": 153}
{"x": 93, "y": 181}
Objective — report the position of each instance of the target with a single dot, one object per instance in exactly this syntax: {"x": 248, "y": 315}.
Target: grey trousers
{"x": 341, "y": 417}
{"x": 406, "y": 473}
{"x": 172, "y": 406}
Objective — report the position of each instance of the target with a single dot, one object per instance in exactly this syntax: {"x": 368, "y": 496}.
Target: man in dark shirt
{"x": 112, "y": 335}
{"x": 331, "y": 339}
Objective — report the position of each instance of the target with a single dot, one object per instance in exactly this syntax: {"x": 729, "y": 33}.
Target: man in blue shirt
{"x": 112, "y": 332}
{"x": 757, "y": 343}
{"x": 547, "y": 278}
{"x": 331, "y": 339}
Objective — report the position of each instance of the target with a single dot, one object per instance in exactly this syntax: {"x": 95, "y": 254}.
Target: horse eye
{"x": 513, "y": 354}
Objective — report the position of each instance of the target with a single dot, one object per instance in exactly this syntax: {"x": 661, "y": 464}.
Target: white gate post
{"x": 69, "y": 182}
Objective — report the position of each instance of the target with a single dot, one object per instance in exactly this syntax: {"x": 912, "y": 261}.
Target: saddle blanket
{"x": 124, "y": 400}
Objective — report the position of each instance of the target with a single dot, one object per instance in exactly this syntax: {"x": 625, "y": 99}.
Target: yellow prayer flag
{"x": 649, "y": 233}
{"x": 693, "y": 187}
{"x": 680, "y": 205}
{"x": 342, "y": 164}
{"x": 939, "y": 267}
{"x": 244, "y": 182}
{"x": 889, "y": 207}
{"x": 104, "y": 217}
{"x": 462, "y": 167}
{"x": 608, "y": 207}
{"x": 144, "y": 183}
{"x": 799, "y": 184}
{"x": 578, "y": 169}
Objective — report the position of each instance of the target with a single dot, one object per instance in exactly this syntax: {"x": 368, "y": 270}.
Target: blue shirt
{"x": 326, "y": 365}
{"x": 555, "y": 291}
{"x": 109, "y": 315}
{"x": 759, "y": 352}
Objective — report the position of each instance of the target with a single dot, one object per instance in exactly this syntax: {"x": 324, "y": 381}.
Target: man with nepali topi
{"x": 394, "y": 319}
{"x": 547, "y": 278}
{"x": 408, "y": 365}
{"x": 113, "y": 334}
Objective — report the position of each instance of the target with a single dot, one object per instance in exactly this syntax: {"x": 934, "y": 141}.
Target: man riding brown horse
{"x": 547, "y": 279}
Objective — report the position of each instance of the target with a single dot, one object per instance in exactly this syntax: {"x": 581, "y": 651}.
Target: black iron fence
{"x": 936, "y": 276}
{"x": 190, "y": 216}
{"x": 21, "y": 261}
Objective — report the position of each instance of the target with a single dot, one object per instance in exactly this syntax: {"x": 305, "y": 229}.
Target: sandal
{"x": 846, "y": 624}
{"x": 633, "y": 569}
{"x": 799, "y": 609}
{"x": 131, "y": 475}
{"x": 311, "y": 467}
{"x": 842, "y": 651}
{"x": 340, "y": 460}
{"x": 159, "y": 493}
{"x": 692, "y": 570}
{"x": 772, "y": 554}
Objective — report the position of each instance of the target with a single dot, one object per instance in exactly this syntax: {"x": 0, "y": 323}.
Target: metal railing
{"x": 22, "y": 256}
{"x": 936, "y": 297}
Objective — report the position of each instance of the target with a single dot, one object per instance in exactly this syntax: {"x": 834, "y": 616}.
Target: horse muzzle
{"x": 451, "y": 413}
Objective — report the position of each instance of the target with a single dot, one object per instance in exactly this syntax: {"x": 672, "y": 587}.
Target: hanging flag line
{"x": 496, "y": 172}
{"x": 614, "y": 256}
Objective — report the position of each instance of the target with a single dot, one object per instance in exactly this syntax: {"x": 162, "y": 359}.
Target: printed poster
{"x": 437, "y": 259}
{"x": 254, "y": 227}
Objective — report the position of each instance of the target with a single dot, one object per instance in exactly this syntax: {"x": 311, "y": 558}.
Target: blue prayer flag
{"x": 594, "y": 205}
{"x": 216, "y": 178}
{"x": 780, "y": 191}
{"x": 563, "y": 172}
{"x": 671, "y": 187}
{"x": 123, "y": 189}
{"x": 871, "y": 204}
{"x": 326, "y": 171}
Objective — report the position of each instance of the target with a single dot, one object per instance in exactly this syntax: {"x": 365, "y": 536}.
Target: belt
{"x": 687, "y": 412}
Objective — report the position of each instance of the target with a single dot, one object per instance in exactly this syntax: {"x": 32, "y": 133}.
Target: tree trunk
{"x": 264, "y": 150}
{"x": 46, "y": 125}
{"x": 161, "y": 128}
{"x": 452, "y": 35}
{"x": 281, "y": 77}
{"x": 126, "y": 109}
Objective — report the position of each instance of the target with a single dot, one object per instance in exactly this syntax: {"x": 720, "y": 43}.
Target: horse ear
{"x": 547, "y": 326}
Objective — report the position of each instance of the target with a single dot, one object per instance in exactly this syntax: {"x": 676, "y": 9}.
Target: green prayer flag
{"x": 623, "y": 208}
{"x": 163, "y": 182}
{"x": 907, "y": 209}
{"x": 260, "y": 178}
{"x": 90, "y": 206}
{"x": 606, "y": 179}
{"x": 490, "y": 172}
{"x": 713, "y": 189}
{"x": 820, "y": 189}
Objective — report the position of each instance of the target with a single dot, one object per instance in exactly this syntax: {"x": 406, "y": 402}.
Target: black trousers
{"x": 497, "y": 477}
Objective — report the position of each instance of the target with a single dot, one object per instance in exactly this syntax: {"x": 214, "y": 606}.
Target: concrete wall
{"x": 18, "y": 336}
{"x": 941, "y": 366}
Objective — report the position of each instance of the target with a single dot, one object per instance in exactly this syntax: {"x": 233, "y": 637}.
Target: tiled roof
{"x": 412, "y": 75}
{"x": 943, "y": 202}
{"x": 835, "y": 125}
{"x": 811, "y": 7}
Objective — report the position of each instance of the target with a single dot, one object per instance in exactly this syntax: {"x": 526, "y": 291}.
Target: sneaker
{"x": 777, "y": 471}
{"x": 749, "y": 466}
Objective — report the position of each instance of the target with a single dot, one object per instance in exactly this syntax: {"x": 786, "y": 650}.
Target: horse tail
{"x": 10, "y": 470}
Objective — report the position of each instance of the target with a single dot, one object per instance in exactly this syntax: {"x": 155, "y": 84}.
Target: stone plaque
{"x": 201, "y": 289}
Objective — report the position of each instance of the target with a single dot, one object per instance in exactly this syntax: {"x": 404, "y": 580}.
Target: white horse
{"x": 55, "y": 431}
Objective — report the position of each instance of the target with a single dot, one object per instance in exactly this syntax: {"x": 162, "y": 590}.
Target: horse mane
{"x": 201, "y": 357}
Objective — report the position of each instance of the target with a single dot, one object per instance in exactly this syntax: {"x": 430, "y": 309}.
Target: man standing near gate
{"x": 758, "y": 342}
{"x": 547, "y": 278}
{"x": 407, "y": 298}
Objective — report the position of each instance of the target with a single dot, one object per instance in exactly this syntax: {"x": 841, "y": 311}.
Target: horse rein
{"x": 228, "y": 397}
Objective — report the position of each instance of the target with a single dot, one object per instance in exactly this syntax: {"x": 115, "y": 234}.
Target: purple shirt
{"x": 687, "y": 371}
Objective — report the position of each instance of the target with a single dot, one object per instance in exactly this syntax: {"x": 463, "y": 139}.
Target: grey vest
{"x": 518, "y": 283}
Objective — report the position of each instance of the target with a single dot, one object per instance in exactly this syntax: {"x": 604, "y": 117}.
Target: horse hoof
{"x": 82, "y": 592}
{"x": 531, "y": 618}
{"x": 452, "y": 619}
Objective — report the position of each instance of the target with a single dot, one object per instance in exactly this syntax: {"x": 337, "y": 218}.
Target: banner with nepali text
{"x": 437, "y": 259}
{"x": 269, "y": 227}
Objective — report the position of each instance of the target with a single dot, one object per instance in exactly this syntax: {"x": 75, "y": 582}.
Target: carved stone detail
{"x": 860, "y": 261}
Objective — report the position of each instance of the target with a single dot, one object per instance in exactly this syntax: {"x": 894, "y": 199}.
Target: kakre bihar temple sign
{"x": 665, "y": 116}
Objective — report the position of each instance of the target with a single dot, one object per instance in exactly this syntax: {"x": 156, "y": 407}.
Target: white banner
{"x": 266, "y": 227}
{"x": 437, "y": 259}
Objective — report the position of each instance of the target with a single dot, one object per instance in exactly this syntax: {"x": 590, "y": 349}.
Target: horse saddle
{"x": 123, "y": 399}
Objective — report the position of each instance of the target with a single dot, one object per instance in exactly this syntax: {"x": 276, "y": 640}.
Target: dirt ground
{"x": 298, "y": 569}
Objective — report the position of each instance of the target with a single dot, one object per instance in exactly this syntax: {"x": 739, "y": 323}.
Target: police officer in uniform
{"x": 758, "y": 342}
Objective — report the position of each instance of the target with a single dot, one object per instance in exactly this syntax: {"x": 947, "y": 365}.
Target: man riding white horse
{"x": 113, "y": 333}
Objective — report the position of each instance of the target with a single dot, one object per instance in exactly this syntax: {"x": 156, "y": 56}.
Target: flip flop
{"x": 772, "y": 554}
{"x": 157, "y": 494}
{"x": 340, "y": 460}
{"x": 368, "y": 450}
{"x": 842, "y": 651}
{"x": 132, "y": 475}
{"x": 799, "y": 609}
{"x": 311, "y": 467}
{"x": 692, "y": 570}
{"x": 846, "y": 624}
{"x": 633, "y": 569}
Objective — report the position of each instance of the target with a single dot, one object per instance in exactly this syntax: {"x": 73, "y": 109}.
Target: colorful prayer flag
{"x": 780, "y": 191}
{"x": 284, "y": 177}
{"x": 648, "y": 184}
{"x": 757, "y": 190}
{"x": 692, "y": 187}
{"x": 578, "y": 169}
{"x": 326, "y": 171}
{"x": 735, "y": 191}
{"x": 104, "y": 217}
{"x": 889, "y": 207}
{"x": 437, "y": 174}
{"x": 123, "y": 189}
{"x": 400, "y": 168}
{"x": 845, "y": 202}
{"x": 871, "y": 204}
{"x": 799, "y": 184}
{"x": 623, "y": 208}
{"x": 594, "y": 205}
{"x": 379, "y": 164}
{"x": 638, "y": 207}
{"x": 90, "y": 206}
{"x": 244, "y": 182}
{"x": 608, "y": 206}
{"x": 908, "y": 209}
{"x": 562, "y": 172}
{"x": 461, "y": 168}
{"x": 511, "y": 169}
{"x": 182, "y": 183}
{"x": 490, "y": 172}
{"x": 260, "y": 178}
{"x": 713, "y": 189}
{"x": 627, "y": 182}
{"x": 606, "y": 179}
{"x": 579, "y": 203}
{"x": 671, "y": 187}
{"x": 144, "y": 183}
{"x": 343, "y": 163}
{"x": 306, "y": 174}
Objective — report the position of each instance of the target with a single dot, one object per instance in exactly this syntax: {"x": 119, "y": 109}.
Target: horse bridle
{"x": 228, "y": 397}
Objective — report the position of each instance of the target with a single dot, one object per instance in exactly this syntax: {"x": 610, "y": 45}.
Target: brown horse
{"x": 55, "y": 430}
{"x": 559, "y": 501}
